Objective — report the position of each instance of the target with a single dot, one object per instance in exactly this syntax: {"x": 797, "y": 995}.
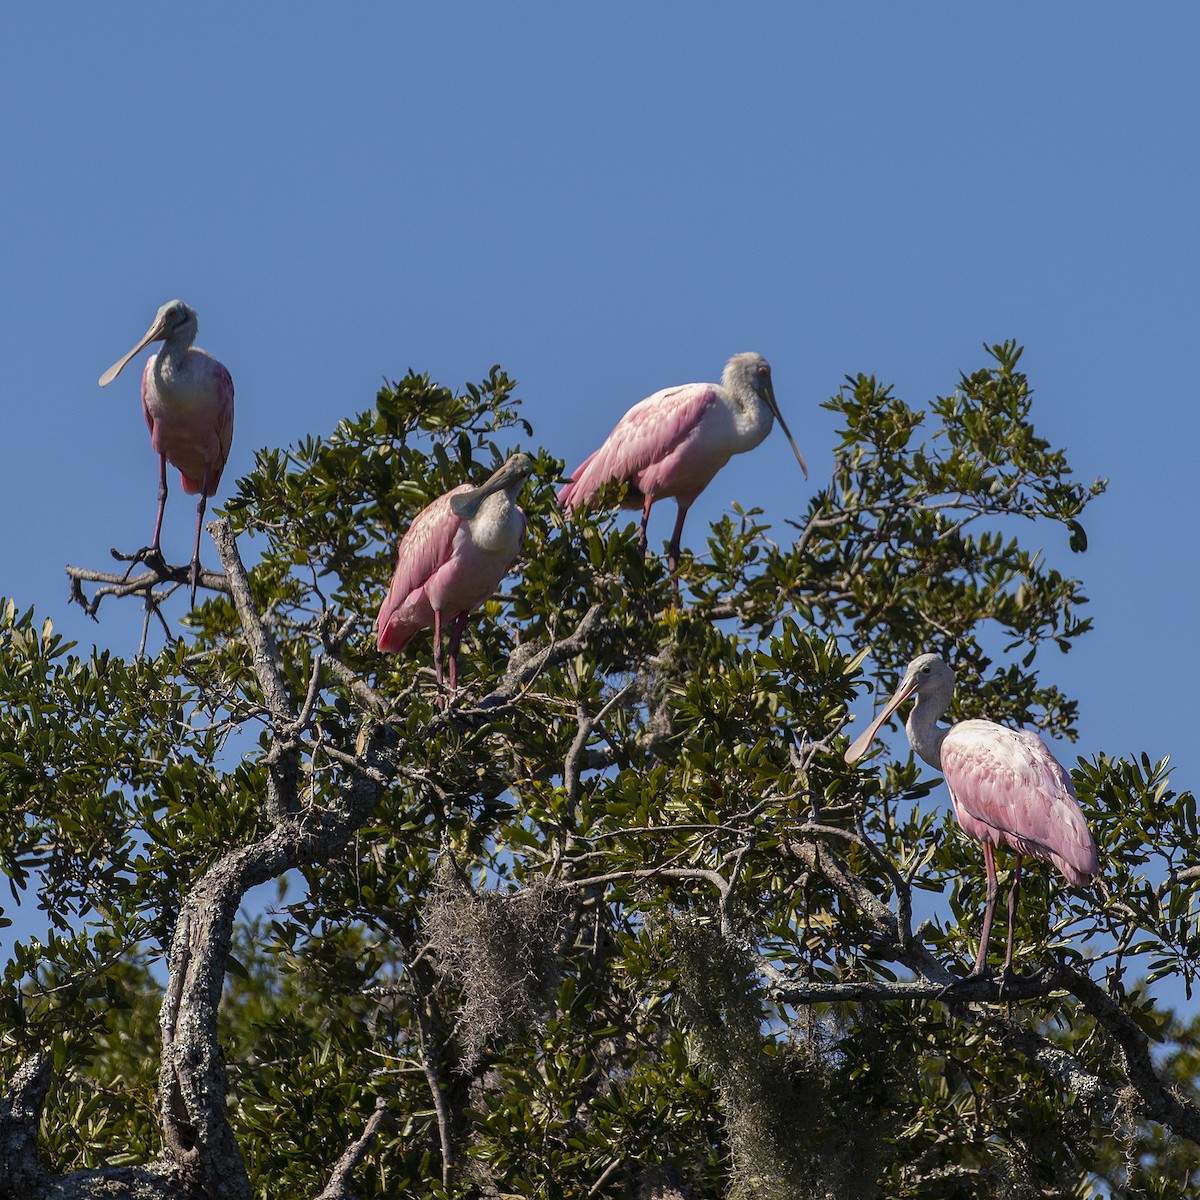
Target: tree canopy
{"x": 620, "y": 921}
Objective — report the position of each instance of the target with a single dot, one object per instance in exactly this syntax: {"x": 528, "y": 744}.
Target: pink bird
{"x": 674, "y": 442}
{"x": 187, "y": 400}
{"x": 453, "y": 557}
{"x": 1006, "y": 787}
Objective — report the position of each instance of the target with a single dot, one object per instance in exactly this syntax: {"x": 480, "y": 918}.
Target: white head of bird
{"x": 175, "y": 324}
{"x": 932, "y": 682}
{"x": 488, "y": 506}
{"x": 747, "y": 377}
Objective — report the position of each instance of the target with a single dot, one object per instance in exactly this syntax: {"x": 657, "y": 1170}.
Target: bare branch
{"x": 366, "y": 695}
{"x": 523, "y": 668}
{"x": 144, "y": 584}
{"x": 338, "y": 1187}
{"x": 431, "y": 1065}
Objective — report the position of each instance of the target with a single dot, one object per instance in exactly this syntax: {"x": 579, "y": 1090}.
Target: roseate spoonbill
{"x": 187, "y": 400}
{"x": 1006, "y": 787}
{"x": 453, "y": 557}
{"x": 674, "y": 442}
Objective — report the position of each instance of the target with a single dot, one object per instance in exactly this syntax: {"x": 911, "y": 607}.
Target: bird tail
{"x": 1080, "y": 863}
{"x": 589, "y": 479}
{"x": 577, "y": 490}
{"x": 392, "y": 634}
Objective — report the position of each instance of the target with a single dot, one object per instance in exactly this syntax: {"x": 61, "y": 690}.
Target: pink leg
{"x": 647, "y": 501}
{"x": 152, "y": 553}
{"x": 673, "y": 553}
{"x": 437, "y": 652}
{"x": 199, "y": 525}
{"x": 456, "y": 632}
{"x": 1012, "y": 913}
{"x": 162, "y": 503}
{"x": 989, "y": 912}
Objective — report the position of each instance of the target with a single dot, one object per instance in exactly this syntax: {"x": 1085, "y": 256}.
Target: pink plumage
{"x": 674, "y": 442}
{"x": 451, "y": 559}
{"x": 187, "y": 400}
{"x": 440, "y": 569}
{"x": 1006, "y": 787}
{"x": 670, "y": 444}
{"x": 194, "y": 435}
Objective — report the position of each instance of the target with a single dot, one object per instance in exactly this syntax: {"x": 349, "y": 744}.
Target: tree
{"x": 621, "y": 922}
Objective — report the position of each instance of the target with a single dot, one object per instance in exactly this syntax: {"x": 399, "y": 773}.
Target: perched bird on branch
{"x": 187, "y": 400}
{"x": 674, "y": 442}
{"x": 453, "y": 557}
{"x": 1006, "y": 787}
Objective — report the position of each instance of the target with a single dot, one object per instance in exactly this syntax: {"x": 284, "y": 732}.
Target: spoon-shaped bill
{"x": 152, "y": 334}
{"x": 783, "y": 425}
{"x": 860, "y": 744}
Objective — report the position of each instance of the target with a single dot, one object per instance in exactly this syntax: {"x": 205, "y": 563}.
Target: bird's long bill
{"x": 859, "y": 746}
{"x": 787, "y": 432}
{"x": 152, "y": 334}
{"x": 515, "y": 470}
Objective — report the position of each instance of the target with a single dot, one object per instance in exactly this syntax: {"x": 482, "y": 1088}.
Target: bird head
{"x": 925, "y": 675}
{"x": 175, "y": 321}
{"x": 509, "y": 478}
{"x": 752, "y": 371}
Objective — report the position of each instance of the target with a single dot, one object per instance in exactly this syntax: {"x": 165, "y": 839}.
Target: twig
{"x": 433, "y": 1076}
{"x": 523, "y": 669}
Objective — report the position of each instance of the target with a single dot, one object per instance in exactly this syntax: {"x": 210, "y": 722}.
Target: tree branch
{"x": 934, "y": 982}
{"x": 526, "y": 663}
{"x": 144, "y": 583}
{"x": 264, "y": 651}
{"x": 338, "y": 1187}
{"x": 283, "y": 760}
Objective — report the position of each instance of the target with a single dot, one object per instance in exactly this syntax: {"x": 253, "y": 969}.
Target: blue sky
{"x": 606, "y": 200}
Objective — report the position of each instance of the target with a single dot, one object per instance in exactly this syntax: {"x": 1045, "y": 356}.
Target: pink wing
{"x": 1008, "y": 788}
{"x": 424, "y": 550}
{"x": 223, "y": 382}
{"x": 641, "y": 450}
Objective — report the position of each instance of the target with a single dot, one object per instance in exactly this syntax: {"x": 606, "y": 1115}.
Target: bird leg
{"x": 647, "y": 501}
{"x": 1013, "y": 892}
{"x": 151, "y": 554}
{"x": 456, "y": 633}
{"x": 673, "y": 553}
{"x": 199, "y": 525}
{"x": 989, "y": 913}
{"x": 162, "y": 504}
{"x": 437, "y": 653}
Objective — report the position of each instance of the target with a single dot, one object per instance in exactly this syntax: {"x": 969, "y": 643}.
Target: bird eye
{"x": 764, "y": 370}
{"x": 924, "y": 670}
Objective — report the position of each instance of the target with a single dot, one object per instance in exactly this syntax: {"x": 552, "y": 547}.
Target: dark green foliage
{"x": 561, "y": 948}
